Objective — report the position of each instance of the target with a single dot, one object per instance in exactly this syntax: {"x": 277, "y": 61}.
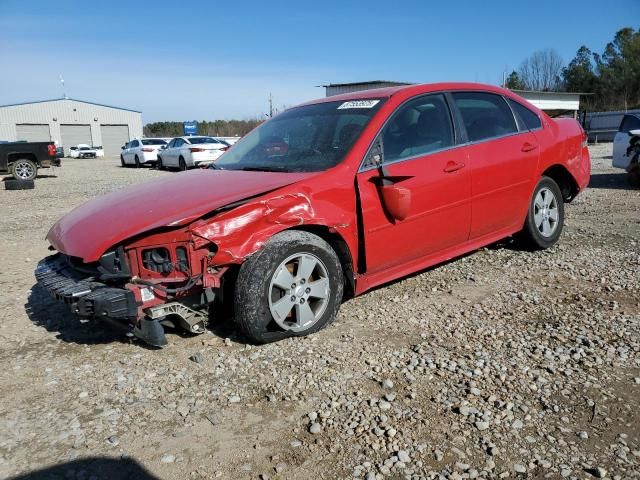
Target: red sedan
{"x": 324, "y": 201}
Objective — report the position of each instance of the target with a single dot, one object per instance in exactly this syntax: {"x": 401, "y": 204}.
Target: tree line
{"x": 216, "y": 128}
{"x": 613, "y": 76}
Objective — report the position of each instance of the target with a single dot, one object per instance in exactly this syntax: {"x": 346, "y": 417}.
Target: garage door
{"x": 72, "y": 135}
{"x": 113, "y": 138}
{"x": 33, "y": 132}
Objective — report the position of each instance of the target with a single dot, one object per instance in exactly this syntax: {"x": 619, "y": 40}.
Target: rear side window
{"x": 421, "y": 126}
{"x": 530, "y": 119}
{"x": 629, "y": 122}
{"x": 485, "y": 115}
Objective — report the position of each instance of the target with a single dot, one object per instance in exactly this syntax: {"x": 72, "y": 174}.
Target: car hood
{"x": 173, "y": 200}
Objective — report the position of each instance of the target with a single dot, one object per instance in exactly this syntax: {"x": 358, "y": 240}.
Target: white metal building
{"x": 69, "y": 122}
{"x": 340, "y": 88}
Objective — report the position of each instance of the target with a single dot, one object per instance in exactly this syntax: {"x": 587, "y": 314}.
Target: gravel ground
{"x": 501, "y": 364}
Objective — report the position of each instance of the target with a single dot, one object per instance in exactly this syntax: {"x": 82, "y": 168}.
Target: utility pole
{"x": 270, "y": 106}
{"x": 64, "y": 93}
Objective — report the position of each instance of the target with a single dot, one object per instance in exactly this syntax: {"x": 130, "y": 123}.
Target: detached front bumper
{"x": 85, "y": 296}
{"x": 89, "y": 298}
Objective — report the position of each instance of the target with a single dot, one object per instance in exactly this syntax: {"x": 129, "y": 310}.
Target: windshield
{"x": 196, "y": 140}
{"x": 310, "y": 138}
{"x": 153, "y": 141}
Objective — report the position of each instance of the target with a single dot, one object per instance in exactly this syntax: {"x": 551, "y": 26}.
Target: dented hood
{"x": 173, "y": 200}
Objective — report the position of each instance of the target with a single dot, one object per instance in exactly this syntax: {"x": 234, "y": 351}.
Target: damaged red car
{"x": 322, "y": 202}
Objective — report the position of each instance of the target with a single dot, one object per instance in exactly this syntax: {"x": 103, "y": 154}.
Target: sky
{"x": 208, "y": 60}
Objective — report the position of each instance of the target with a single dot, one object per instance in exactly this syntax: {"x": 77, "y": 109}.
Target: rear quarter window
{"x": 530, "y": 118}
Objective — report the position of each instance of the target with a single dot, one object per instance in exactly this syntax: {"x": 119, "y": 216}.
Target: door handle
{"x": 527, "y": 147}
{"x": 453, "y": 167}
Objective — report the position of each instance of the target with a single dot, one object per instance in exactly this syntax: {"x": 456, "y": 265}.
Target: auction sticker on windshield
{"x": 359, "y": 104}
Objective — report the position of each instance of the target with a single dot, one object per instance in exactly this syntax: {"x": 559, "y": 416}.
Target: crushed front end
{"x": 159, "y": 280}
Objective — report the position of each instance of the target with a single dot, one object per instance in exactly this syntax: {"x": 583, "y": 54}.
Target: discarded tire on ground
{"x": 13, "y": 184}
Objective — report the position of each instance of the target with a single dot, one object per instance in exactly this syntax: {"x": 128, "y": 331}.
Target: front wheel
{"x": 545, "y": 217}
{"x": 291, "y": 288}
{"x": 159, "y": 165}
{"x": 24, "y": 169}
{"x": 122, "y": 164}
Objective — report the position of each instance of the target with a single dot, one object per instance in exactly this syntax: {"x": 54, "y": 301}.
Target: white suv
{"x": 189, "y": 152}
{"x": 141, "y": 151}
{"x": 629, "y": 123}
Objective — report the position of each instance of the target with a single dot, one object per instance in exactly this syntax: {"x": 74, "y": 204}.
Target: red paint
{"x": 438, "y": 206}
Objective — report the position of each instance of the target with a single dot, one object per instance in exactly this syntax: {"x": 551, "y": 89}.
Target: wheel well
{"x": 566, "y": 182}
{"x": 342, "y": 250}
{"x": 18, "y": 156}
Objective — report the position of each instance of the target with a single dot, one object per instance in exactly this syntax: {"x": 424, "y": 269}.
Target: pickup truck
{"x": 23, "y": 159}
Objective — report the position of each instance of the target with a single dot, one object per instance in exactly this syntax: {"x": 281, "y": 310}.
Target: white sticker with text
{"x": 359, "y": 104}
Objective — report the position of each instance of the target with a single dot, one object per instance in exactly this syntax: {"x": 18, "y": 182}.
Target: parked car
{"x": 325, "y": 200}
{"x": 141, "y": 151}
{"x": 23, "y": 159}
{"x": 189, "y": 152}
{"x": 621, "y": 150}
{"x": 82, "y": 150}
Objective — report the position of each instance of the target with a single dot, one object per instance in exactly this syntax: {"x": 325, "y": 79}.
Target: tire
{"x": 122, "y": 164}
{"x": 256, "y": 292}
{"x": 543, "y": 216}
{"x": 13, "y": 184}
{"x": 137, "y": 161}
{"x": 24, "y": 169}
{"x": 159, "y": 165}
{"x": 182, "y": 164}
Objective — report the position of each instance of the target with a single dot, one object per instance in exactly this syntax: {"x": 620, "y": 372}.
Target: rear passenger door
{"x": 621, "y": 140}
{"x": 504, "y": 157}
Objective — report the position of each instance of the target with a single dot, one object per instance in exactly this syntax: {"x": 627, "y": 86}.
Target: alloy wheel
{"x": 545, "y": 212}
{"x": 24, "y": 170}
{"x": 299, "y": 292}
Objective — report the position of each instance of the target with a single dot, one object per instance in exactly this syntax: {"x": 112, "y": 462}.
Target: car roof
{"x": 387, "y": 92}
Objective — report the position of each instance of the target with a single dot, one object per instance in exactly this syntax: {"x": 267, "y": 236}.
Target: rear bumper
{"x": 85, "y": 297}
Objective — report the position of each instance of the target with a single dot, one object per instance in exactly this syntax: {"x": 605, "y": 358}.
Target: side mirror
{"x": 395, "y": 199}
{"x": 122, "y": 147}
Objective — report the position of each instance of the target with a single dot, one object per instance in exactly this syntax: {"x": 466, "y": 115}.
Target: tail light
{"x": 196, "y": 149}
{"x": 224, "y": 149}
{"x": 585, "y": 138}
{"x": 147, "y": 149}
{"x": 51, "y": 148}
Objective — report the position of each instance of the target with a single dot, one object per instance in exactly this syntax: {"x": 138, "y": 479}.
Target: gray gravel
{"x": 501, "y": 364}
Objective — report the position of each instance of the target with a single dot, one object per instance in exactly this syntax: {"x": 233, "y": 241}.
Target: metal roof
{"x": 369, "y": 82}
{"x": 540, "y": 92}
{"x": 73, "y": 99}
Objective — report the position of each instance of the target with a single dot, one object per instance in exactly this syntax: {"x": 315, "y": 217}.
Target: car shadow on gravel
{"x": 612, "y": 181}
{"x": 100, "y": 468}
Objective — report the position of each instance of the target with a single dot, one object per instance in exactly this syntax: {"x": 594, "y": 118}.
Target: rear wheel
{"x": 137, "y": 161}
{"x": 291, "y": 288}
{"x": 182, "y": 164}
{"x": 24, "y": 169}
{"x": 545, "y": 217}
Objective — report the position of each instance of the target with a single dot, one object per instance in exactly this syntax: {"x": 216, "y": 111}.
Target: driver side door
{"x": 421, "y": 155}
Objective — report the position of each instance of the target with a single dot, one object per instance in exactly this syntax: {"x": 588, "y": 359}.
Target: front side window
{"x": 421, "y": 126}
{"x": 530, "y": 119}
{"x": 629, "y": 122}
{"x": 310, "y": 138}
{"x": 485, "y": 115}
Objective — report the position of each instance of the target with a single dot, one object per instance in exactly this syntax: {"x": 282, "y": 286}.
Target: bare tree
{"x": 542, "y": 70}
